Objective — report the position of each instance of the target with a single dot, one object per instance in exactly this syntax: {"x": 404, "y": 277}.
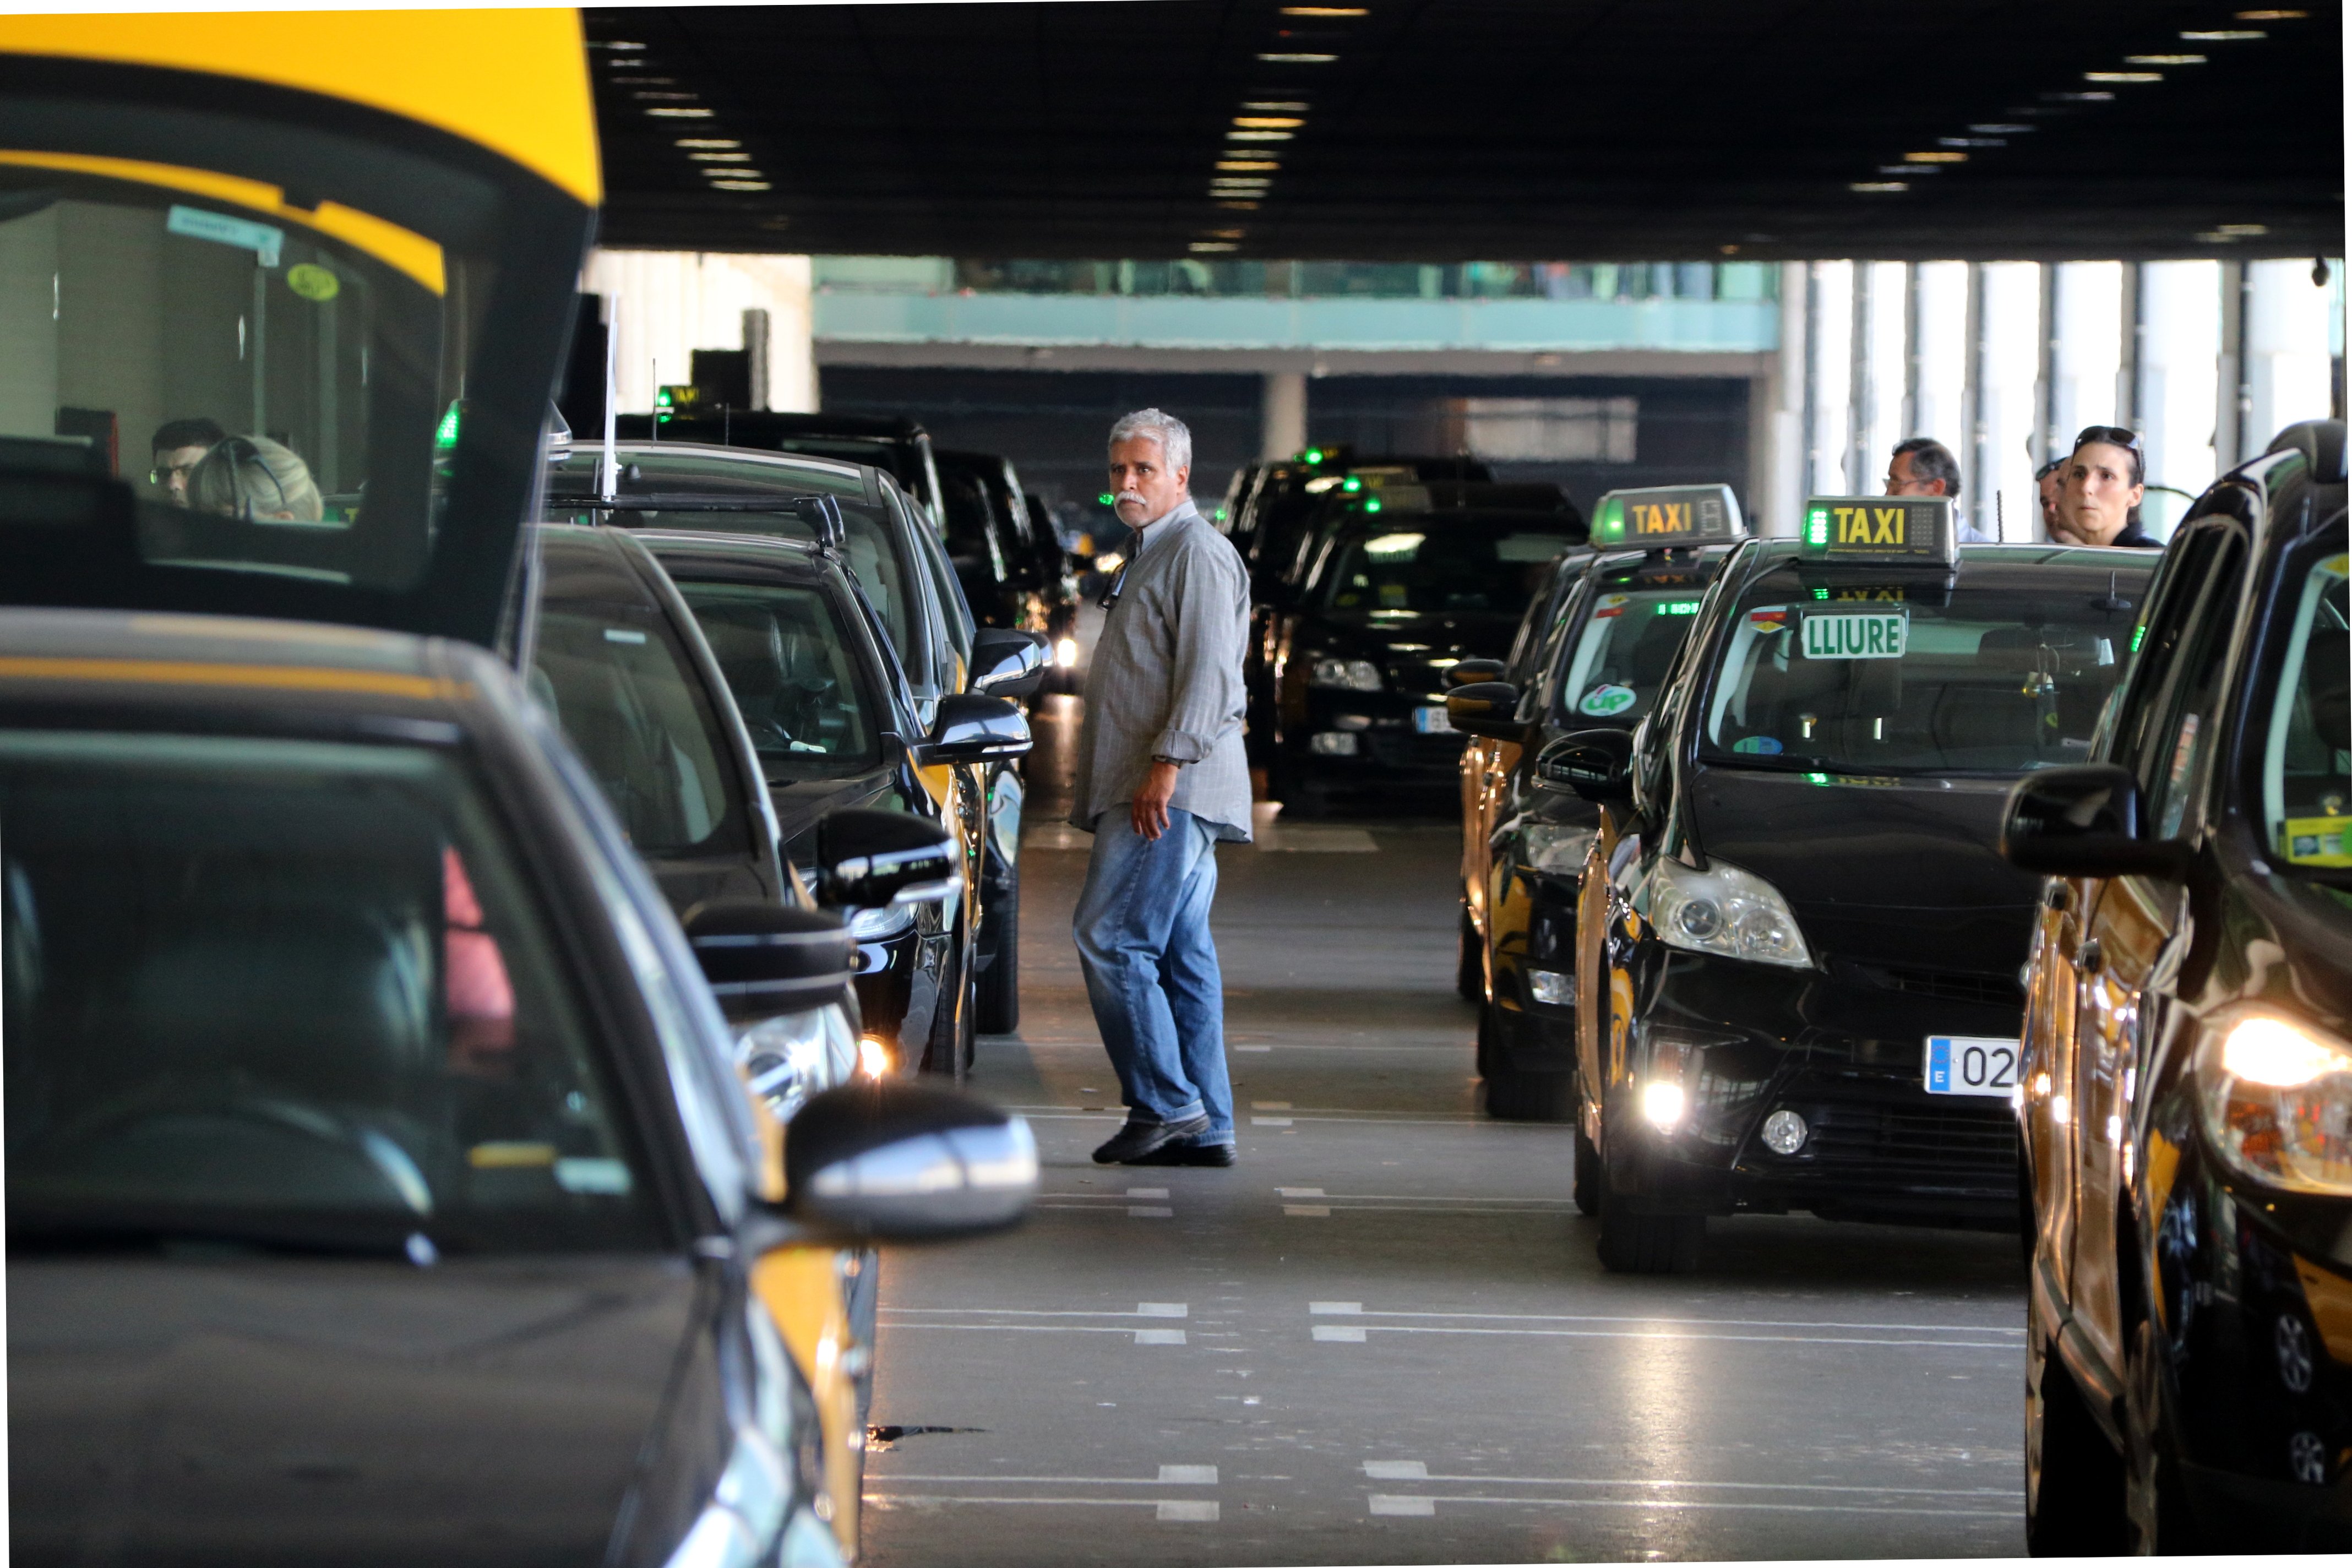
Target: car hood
{"x": 335, "y": 1412}
{"x": 1413, "y": 649}
{"x": 1904, "y": 871}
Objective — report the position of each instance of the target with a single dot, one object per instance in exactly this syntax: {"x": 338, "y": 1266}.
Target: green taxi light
{"x": 1312, "y": 454}
{"x": 661, "y": 399}
{"x": 444, "y": 435}
{"x": 1351, "y": 485}
{"x": 1820, "y": 592}
{"x": 2137, "y": 634}
{"x": 1373, "y": 504}
{"x": 1817, "y": 528}
{"x": 1106, "y": 499}
{"x": 1817, "y": 778}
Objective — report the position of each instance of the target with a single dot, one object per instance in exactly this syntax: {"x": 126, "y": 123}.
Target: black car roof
{"x": 795, "y": 558}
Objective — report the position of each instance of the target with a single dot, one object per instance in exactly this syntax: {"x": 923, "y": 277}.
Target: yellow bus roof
{"x": 515, "y": 81}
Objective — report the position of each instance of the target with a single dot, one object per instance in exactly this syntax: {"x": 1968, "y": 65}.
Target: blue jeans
{"x": 1142, "y": 928}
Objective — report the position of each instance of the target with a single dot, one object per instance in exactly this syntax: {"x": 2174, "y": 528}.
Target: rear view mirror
{"x": 972, "y": 728}
{"x": 765, "y": 959}
{"x": 2083, "y": 821}
{"x": 884, "y": 1161}
{"x": 869, "y": 859}
{"x": 1007, "y": 663}
{"x": 1486, "y": 708}
{"x": 1597, "y": 764}
{"x": 1474, "y": 669}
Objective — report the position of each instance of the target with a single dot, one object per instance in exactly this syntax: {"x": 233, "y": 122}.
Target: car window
{"x": 269, "y": 992}
{"x": 788, "y": 661}
{"x": 2171, "y": 612}
{"x": 955, "y": 614}
{"x": 1609, "y": 670}
{"x": 2185, "y": 731}
{"x": 1975, "y": 679}
{"x": 618, "y": 679}
{"x": 1427, "y": 566}
{"x": 972, "y": 527}
{"x": 2304, "y": 782}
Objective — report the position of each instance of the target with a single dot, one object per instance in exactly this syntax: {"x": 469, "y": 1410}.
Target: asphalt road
{"x": 1382, "y": 1336}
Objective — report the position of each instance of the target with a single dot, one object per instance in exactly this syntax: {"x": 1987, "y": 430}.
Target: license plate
{"x": 1970, "y": 1063}
{"x": 1432, "y": 721}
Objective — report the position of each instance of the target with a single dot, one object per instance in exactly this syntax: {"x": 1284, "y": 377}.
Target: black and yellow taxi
{"x": 1797, "y": 943}
{"x": 2186, "y": 1088}
{"x": 1592, "y": 654}
{"x": 1404, "y": 581}
{"x": 383, "y": 1182}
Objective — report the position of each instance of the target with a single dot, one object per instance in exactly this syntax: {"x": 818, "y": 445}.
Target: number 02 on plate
{"x": 1970, "y": 1063}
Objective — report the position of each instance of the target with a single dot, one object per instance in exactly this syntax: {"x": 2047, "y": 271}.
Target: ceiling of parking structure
{"x": 1450, "y": 129}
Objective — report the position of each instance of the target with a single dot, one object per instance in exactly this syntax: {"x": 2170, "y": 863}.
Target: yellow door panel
{"x": 801, "y": 1289}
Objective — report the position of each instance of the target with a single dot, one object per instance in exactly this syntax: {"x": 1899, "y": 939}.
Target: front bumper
{"x": 1387, "y": 751}
{"x": 1846, "y": 1054}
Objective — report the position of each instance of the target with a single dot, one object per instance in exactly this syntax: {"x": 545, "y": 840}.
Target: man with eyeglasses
{"x": 2105, "y": 479}
{"x": 1924, "y": 465}
{"x": 179, "y": 445}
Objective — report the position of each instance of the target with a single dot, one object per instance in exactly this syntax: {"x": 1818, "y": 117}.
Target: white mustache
{"x": 1127, "y": 496}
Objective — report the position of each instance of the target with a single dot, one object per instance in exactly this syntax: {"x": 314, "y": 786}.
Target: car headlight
{"x": 2277, "y": 1098}
{"x": 873, "y": 925}
{"x": 1556, "y": 846}
{"x": 1723, "y": 911}
{"x": 1347, "y": 674}
{"x": 786, "y": 1058}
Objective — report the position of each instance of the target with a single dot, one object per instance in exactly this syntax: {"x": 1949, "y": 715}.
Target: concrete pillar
{"x": 2087, "y": 351}
{"x": 1831, "y": 373}
{"x": 2229, "y": 396}
{"x": 668, "y": 303}
{"x": 2013, "y": 340}
{"x": 2180, "y": 304}
{"x": 2289, "y": 371}
{"x": 1884, "y": 353}
{"x": 1283, "y": 420}
{"x": 1776, "y": 421}
{"x": 1940, "y": 359}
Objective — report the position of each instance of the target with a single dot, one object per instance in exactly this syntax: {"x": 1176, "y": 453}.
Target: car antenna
{"x": 610, "y": 475}
{"x": 2112, "y": 601}
{"x": 653, "y": 424}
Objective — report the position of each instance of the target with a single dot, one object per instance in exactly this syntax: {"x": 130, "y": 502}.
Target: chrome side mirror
{"x": 895, "y": 1161}
{"x": 972, "y": 728}
{"x": 869, "y": 859}
{"x": 1007, "y": 663}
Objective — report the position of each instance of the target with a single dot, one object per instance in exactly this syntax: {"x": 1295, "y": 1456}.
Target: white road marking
{"x": 1301, "y": 1192}
{"x": 1269, "y": 1122}
{"x": 1402, "y": 1507}
{"x": 1169, "y": 1511}
{"x": 1188, "y": 1474}
{"x": 1339, "y": 1334}
{"x": 1691, "y": 1322}
{"x": 1740, "y": 1339}
{"x": 1150, "y": 1211}
{"x": 1162, "y": 1309}
{"x": 1252, "y": 1048}
{"x": 1307, "y": 1211}
{"x": 1334, "y": 1309}
{"x": 1685, "y": 1505}
{"x": 1159, "y": 1336}
{"x": 1421, "y": 1473}
{"x": 1170, "y": 1476}
{"x": 1396, "y": 1470}
{"x": 1187, "y": 1512}
{"x": 1142, "y": 1310}
{"x": 1147, "y": 1192}
{"x": 1269, "y": 1105}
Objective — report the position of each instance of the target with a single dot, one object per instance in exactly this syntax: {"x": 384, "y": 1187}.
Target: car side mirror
{"x": 883, "y": 1161}
{"x": 1596, "y": 764}
{"x": 1007, "y": 663}
{"x": 1486, "y": 708}
{"x": 764, "y": 959}
{"x": 1471, "y": 670}
{"x": 2083, "y": 821}
{"x": 870, "y": 859}
{"x": 972, "y": 728}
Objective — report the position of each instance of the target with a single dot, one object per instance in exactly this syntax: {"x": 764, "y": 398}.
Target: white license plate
{"x": 1432, "y": 721}
{"x": 1970, "y": 1063}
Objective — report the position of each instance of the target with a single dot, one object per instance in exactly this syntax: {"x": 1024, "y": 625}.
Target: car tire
{"x": 2073, "y": 1478}
{"x": 1513, "y": 1095}
{"x": 2157, "y": 1519}
{"x": 947, "y": 1052}
{"x": 997, "y": 997}
{"x": 1470, "y": 964}
{"x": 1586, "y": 1188}
{"x": 1635, "y": 1243}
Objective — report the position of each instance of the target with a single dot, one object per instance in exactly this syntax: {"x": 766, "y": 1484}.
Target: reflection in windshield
{"x": 1996, "y": 680}
{"x": 1627, "y": 643}
{"x": 251, "y": 380}
{"x": 271, "y": 990}
{"x": 2307, "y": 766}
{"x": 1425, "y": 563}
{"x": 787, "y": 661}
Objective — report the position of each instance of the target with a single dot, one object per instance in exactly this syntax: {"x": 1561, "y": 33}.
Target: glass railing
{"x": 1218, "y": 279}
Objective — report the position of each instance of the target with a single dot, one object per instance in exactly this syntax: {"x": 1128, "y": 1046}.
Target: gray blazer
{"x": 1166, "y": 678}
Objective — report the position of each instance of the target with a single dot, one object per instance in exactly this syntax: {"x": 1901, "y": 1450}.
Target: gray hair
{"x": 1931, "y": 459}
{"x": 1175, "y": 441}
{"x": 252, "y": 475}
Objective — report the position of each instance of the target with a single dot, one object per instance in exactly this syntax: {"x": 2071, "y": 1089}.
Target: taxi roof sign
{"x": 1667, "y": 516}
{"x": 1881, "y": 530}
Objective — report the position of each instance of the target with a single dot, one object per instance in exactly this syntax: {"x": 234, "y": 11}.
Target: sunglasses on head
{"x": 2109, "y": 436}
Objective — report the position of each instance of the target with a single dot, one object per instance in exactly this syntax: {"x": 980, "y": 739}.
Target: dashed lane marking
{"x": 1307, "y": 1211}
{"x": 1424, "y": 1507}
{"x": 1269, "y": 1122}
{"x": 1338, "y": 1334}
{"x": 1402, "y": 1507}
{"x": 1168, "y": 1510}
{"x": 1159, "y": 1336}
{"x": 1269, "y": 1105}
{"x": 1357, "y": 1308}
{"x": 1334, "y": 1309}
{"x": 1169, "y": 1475}
{"x": 1396, "y": 1470}
{"x": 1150, "y": 1211}
{"x": 1147, "y": 1192}
{"x": 1299, "y": 1192}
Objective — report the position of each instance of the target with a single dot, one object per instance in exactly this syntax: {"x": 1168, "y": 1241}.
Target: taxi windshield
{"x": 786, "y": 658}
{"x": 275, "y": 386}
{"x": 288, "y": 995}
{"x": 1439, "y": 564}
{"x": 1608, "y": 671}
{"x": 1840, "y": 674}
{"x": 2304, "y": 772}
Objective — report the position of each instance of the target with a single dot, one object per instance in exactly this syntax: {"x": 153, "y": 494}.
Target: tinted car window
{"x": 2304, "y": 779}
{"x": 1438, "y": 564}
{"x": 1990, "y": 677}
{"x": 296, "y": 992}
{"x": 618, "y": 680}
{"x": 787, "y": 659}
{"x": 1611, "y": 669}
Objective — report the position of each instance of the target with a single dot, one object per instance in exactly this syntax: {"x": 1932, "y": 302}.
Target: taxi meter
{"x": 1667, "y": 516}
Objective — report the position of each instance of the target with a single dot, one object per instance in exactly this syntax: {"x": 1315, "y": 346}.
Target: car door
{"x": 2131, "y": 922}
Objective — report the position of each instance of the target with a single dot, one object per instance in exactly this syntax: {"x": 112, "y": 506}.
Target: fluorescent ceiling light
{"x": 1334, "y": 11}
{"x": 1268, "y": 122}
{"x": 708, "y": 141}
{"x": 1229, "y": 135}
{"x": 2123, "y": 76}
{"x": 720, "y": 157}
{"x": 2227, "y": 35}
{"x": 666, "y": 96}
{"x": 740, "y": 185}
{"x": 1239, "y": 207}
{"x": 2002, "y": 130}
{"x": 1212, "y": 245}
{"x": 2272, "y": 16}
{"x": 1249, "y": 163}
{"x": 1299, "y": 60}
{"x": 1935, "y": 157}
{"x": 2164, "y": 59}
{"x": 1877, "y": 188}
{"x": 680, "y": 113}
{"x": 1280, "y": 108}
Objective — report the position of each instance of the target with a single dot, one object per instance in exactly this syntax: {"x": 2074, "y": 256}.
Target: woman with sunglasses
{"x": 2105, "y": 482}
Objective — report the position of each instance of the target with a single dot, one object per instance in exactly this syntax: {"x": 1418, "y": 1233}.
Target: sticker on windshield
{"x": 2315, "y": 840}
{"x": 1604, "y": 700}
{"x": 195, "y": 222}
{"x": 1766, "y": 622}
{"x": 1612, "y": 605}
{"x": 1850, "y": 636}
{"x": 1756, "y": 745}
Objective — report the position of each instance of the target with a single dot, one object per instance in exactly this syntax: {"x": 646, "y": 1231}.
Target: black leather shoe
{"x": 1188, "y": 1154}
{"x": 1136, "y": 1141}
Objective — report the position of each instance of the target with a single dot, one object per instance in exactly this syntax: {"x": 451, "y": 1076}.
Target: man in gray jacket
{"x": 1160, "y": 779}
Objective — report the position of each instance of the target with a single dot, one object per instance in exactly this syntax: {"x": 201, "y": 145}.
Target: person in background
{"x": 2049, "y": 484}
{"x": 254, "y": 478}
{"x": 2105, "y": 479}
{"x": 179, "y": 445}
{"x": 1923, "y": 465}
{"x": 1160, "y": 780}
